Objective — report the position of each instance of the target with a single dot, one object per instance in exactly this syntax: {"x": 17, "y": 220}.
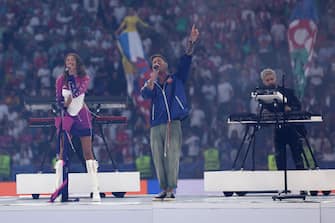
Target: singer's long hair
{"x": 81, "y": 70}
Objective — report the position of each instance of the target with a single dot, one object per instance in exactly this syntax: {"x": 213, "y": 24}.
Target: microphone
{"x": 66, "y": 71}
{"x": 54, "y": 109}
{"x": 155, "y": 67}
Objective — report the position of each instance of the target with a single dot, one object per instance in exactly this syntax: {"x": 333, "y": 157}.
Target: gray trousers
{"x": 166, "y": 155}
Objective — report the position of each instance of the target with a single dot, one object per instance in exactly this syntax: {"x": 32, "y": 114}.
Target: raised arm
{"x": 194, "y": 35}
{"x": 121, "y": 27}
{"x": 184, "y": 67}
{"x": 185, "y": 61}
{"x": 141, "y": 22}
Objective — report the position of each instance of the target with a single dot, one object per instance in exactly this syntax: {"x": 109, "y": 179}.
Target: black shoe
{"x": 303, "y": 192}
{"x": 160, "y": 196}
{"x": 170, "y": 196}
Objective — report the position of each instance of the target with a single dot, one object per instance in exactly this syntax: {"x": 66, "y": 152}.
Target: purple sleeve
{"x": 78, "y": 85}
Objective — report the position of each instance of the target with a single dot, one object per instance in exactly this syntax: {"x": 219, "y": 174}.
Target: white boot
{"x": 59, "y": 176}
{"x": 92, "y": 170}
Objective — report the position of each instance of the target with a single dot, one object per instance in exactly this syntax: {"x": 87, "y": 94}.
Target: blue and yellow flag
{"x": 135, "y": 65}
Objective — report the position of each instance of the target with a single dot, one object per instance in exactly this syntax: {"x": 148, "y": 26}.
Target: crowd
{"x": 238, "y": 39}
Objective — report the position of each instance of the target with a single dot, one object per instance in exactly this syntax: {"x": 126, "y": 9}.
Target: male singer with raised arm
{"x": 168, "y": 108}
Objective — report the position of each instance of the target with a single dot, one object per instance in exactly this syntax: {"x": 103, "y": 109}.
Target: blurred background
{"x": 238, "y": 38}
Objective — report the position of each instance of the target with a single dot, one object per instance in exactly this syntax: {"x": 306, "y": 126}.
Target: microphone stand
{"x": 281, "y": 196}
{"x": 65, "y": 140}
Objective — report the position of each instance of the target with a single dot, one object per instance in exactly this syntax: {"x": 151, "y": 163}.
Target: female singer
{"x": 76, "y": 119}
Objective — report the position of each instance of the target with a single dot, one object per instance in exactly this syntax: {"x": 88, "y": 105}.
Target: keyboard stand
{"x": 252, "y": 140}
{"x": 46, "y": 152}
{"x": 101, "y": 131}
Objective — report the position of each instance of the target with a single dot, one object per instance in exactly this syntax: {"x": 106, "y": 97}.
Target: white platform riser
{"x": 269, "y": 180}
{"x": 78, "y": 182}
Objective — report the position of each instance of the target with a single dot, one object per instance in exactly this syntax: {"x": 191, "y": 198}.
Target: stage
{"x": 258, "y": 208}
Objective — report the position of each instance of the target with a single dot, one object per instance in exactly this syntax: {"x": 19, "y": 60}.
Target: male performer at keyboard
{"x": 168, "y": 108}
{"x": 289, "y": 134}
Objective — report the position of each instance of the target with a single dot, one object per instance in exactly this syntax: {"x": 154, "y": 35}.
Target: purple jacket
{"x": 78, "y": 86}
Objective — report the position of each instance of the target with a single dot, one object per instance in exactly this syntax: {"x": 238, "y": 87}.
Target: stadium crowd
{"x": 238, "y": 39}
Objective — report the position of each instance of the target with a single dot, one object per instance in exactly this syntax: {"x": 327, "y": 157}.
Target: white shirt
{"x": 44, "y": 75}
{"x": 3, "y": 110}
{"x": 225, "y": 92}
{"x": 278, "y": 31}
{"x": 197, "y": 118}
{"x": 316, "y": 75}
{"x": 193, "y": 144}
{"x": 209, "y": 91}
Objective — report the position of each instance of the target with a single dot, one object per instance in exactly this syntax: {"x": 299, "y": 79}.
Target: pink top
{"x": 78, "y": 85}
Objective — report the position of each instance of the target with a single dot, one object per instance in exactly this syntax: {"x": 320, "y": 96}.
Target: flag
{"x": 136, "y": 68}
{"x": 131, "y": 45}
{"x": 133, "y": 59}
{"x": 129, "y": 72}
{"x": 301, "y": 36}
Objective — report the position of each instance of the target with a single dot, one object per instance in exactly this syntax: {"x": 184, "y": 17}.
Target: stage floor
{"x": 212, "y": 208}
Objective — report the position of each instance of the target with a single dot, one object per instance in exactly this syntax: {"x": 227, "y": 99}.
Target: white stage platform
{"x": 141, "y": 209}
{"x": 79, "y": 183}
{"x": 211, "y": 206}
{"x": 297, "y": 180}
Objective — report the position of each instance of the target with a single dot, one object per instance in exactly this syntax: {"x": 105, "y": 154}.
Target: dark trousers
{"x": 288, "y": 136}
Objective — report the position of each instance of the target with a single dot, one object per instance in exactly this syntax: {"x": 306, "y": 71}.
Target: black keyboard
{"x": 271, "y": 118}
